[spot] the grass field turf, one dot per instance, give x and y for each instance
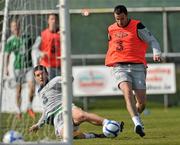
(162, 127)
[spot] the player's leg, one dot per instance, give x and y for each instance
(82, 135)
(31, 96)
(126, 88)
(139, 87)
(31, 86)
(140, 95)
(58, 126)
(123, 79)
(18, 78)
(123, 76)
(77, 134)
(131, 107)
(124, 82)
(80, 116)
(18, 100)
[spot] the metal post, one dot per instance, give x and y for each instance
(166, 101)
(85, 99)
(3, 40)
(165, 34)
(85, 103)
(66, 70)
(165, 45)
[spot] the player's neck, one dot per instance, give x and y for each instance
(16, 34)
(52, 29)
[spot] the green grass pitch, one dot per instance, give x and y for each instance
(162, 127)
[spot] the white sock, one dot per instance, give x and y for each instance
(89, 135)
(105, 121)
(140, 119)
(136, 120)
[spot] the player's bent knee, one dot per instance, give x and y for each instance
(82, 117)
(79, 117)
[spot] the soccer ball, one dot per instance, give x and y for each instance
(12, 137)
(111, 129)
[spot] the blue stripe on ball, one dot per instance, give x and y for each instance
(12, 138)
(113, 132)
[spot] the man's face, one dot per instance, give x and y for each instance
(52, 22)
(14, 28)
(121, 19)
(41, 77)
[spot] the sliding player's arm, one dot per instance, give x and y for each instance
(41, 122)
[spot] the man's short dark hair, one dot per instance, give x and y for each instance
(40, 67)
(120, 9)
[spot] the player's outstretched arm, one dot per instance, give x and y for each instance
(34, 128)
(41, 122)
(146, 35)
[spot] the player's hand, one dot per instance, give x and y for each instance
(34, 128)
(157, 58)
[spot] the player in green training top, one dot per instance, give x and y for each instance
(50, 94)
(20, 45)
